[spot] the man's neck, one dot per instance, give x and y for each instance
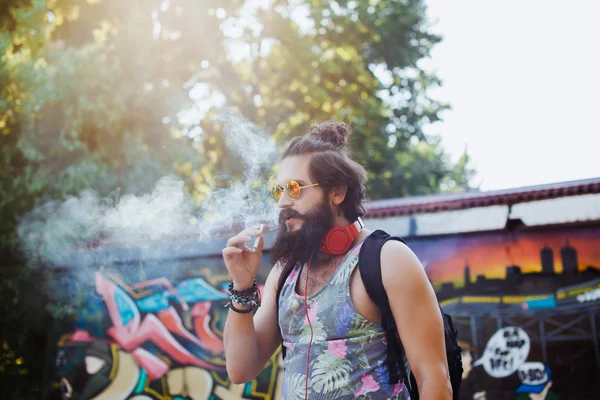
(341, 220)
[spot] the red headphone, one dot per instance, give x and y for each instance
(339, 239)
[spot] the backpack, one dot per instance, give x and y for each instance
(369, 264)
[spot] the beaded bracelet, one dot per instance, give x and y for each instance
(250, 296)
(240, 310)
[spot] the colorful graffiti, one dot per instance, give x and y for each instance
(532, 296)
(153, 340)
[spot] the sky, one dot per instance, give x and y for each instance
(523, 80)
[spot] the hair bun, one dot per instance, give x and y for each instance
(336, 133)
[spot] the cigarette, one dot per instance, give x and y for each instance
(258, 238)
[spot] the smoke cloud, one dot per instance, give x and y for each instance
(247, 202)
(52, 232)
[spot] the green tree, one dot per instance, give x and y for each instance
(287, 65)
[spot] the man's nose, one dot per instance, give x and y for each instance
(284, 201)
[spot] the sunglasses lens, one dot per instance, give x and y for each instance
(277, 192)
(293, 190)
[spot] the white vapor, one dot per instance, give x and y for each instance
(52, 232)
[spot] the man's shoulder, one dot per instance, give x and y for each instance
(399, 265)
(395, 253)
(390, 245)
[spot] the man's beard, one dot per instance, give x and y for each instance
(293, 247)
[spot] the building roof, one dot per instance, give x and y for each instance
(464, 200)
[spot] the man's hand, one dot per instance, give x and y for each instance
(542, 395)
(241, 261)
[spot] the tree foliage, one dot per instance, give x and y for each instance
(109, 94)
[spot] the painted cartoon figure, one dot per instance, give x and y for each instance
(471, 387)
(539, 389)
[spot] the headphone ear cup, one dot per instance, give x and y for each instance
(337, 241)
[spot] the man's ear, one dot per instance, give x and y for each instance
(337, 194)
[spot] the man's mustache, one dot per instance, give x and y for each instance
(285, 214)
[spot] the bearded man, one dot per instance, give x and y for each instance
(314, 301)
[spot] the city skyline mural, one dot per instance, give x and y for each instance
(489, 254)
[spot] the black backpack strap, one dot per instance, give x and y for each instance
(453, 355)
(369, 263)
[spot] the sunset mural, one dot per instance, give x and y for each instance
(489, 254)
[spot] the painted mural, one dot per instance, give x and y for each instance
(154, 340)
(526, 304)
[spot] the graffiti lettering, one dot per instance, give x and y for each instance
(154, 340)
(505, 352)
(130, 330)
(501, 363)
(515, 343)
(532, 373)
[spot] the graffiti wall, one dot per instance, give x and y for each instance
(527, 306)
(154, 339)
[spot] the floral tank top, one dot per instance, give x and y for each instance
(348, 354)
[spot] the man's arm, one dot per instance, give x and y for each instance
(418, 319)
(251, 341)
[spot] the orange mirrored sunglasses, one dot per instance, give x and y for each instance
(292, 188)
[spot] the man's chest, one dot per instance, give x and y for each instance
(312, 280)
(319, 277)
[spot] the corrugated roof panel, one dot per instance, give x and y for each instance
(558, 211)
(459, 201)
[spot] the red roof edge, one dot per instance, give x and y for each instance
(464, 200)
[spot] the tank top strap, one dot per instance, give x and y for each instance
(350, 262)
